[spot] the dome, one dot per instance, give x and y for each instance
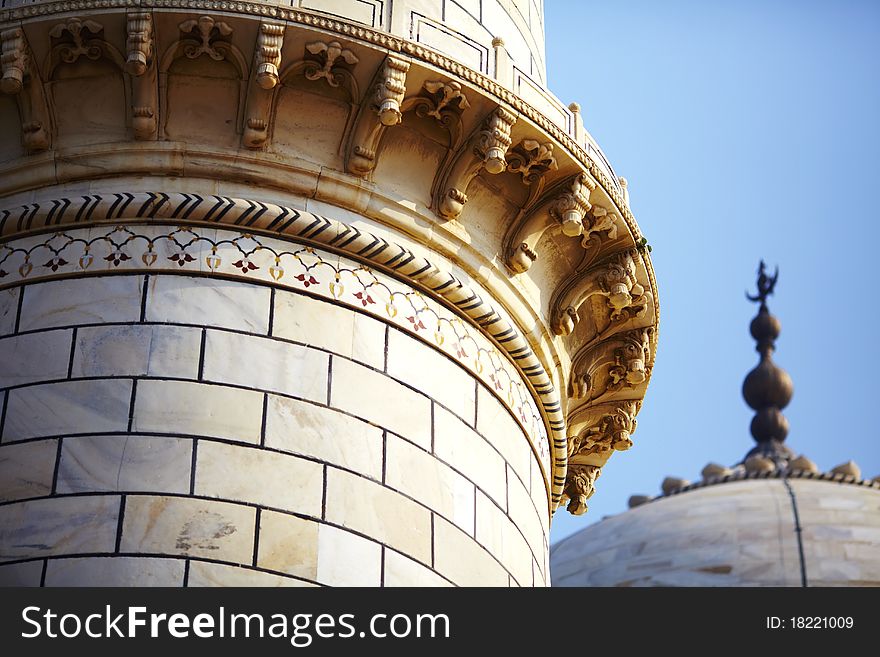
(742, 531)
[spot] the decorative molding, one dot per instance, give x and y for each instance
(532, 160)
(327, 65)
(565, 205)
(486, 149)
(549, 434)
(622, 363)
(20, 79)
(580, 484)
(379, 111)
(615, 279)
(261, 87)
(141, 65)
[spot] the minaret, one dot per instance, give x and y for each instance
(767, 388)
(303, 292)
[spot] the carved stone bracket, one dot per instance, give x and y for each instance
(141, 65)
(486, 149)
(531, 159)
(580, 484)
(381, 109)
(595, 431)
(620, 364)
(565, 205)
(615, 279)
(267, 62)
(20, 79)
(331, 59)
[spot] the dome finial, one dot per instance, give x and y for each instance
(767, 388)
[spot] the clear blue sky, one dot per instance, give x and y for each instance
(747, 130)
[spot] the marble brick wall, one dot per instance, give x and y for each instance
(186, 430)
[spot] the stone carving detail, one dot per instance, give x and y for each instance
(600, 225)
(381, 110)
(208, 34)
(616, 280)
(531, 159)
(580, 484)
(328, 55)
(611, 431)
(487, 149)
(79, 38)
(20, 80)
(564, 206)
(622, 362)
(268, 55)
(267, 61)
(440, 101)
(140, 64)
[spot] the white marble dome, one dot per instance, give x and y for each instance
(739, 532)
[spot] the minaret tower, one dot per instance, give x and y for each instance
(307, 292)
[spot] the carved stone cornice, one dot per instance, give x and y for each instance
(380, 111)
(616, 280)
(485, 150)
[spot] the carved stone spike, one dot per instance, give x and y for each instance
(672, 484)
(571, 206)
(580, 484)
(615, 280)
(328, 54)
(804, 464)
(206, 31)
(382, 110)
(268, 55)
(139, 44)
(485, 150)
(78, 36)
(758, 464)
(715, 471)
(531, 159)
(13, 59)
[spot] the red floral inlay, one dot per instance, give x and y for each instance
(116, 257)
(364, 298)
(245, 265)
(416, 322)
(181, 258)
(55, 263)
(311, 280)
(459, 350)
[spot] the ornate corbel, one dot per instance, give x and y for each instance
(595, 431)
(531, 160)
(615, 279)
(267, 62)
(20, 80)
(566, 205)
(486, 149)
(330, 61)
(620, 364)
(141, 66)
(381, 109)
(580, 484)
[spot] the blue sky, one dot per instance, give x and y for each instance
(746, 130)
